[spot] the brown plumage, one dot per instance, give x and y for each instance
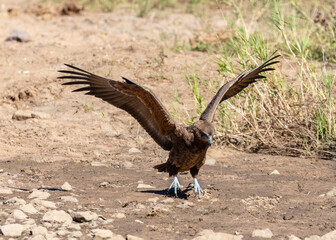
(187, 144)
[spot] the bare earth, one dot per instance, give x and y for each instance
(93, 146)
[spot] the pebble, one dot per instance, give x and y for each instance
(153, 200)
(19, 36)
(29, 208)
(85, 217)
(292, 237)
(59, 216)
(5, 191)
(103, 233)
(332, 192)
(131, 237)
(66, 186)
(313, 237)
(119, 215)
(127, 164)
(98, 164)
(139, 221)
(262, 233)
(134, 150)
(168, 200)
(275, 172)
(21, 115)
(39, 194)
(74, 226)
(76, 234)
(69, 199)
(15, 201)
(12, 230)
(44, 203)
(208, 234)
(39, 231)
(19, 215)
(185, 204)
(141, 185)
(210, 161)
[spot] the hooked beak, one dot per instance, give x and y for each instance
(208, 139)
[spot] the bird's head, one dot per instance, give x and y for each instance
(205, 131)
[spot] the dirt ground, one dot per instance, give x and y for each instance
(104, 154)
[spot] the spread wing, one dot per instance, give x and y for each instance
(138, 101)
(236, 85)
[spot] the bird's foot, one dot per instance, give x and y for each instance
(175, 184)
(197, 188)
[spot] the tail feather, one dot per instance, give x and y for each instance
(161, 167)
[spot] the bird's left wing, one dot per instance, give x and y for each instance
(236, 85)
(137, 100)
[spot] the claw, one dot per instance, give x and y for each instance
(197, 188)
(175, 184)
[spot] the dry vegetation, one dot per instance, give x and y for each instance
(293, 112)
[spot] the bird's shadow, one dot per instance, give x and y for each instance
(180, 194)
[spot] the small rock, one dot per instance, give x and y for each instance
(98, 164)
(275, 172)
(62, 232)
(44, 203)
(19, 36)
(292, 237)
(210, 161)
(66, 186)
(76, 234)
(329, 236)
(5, 191)
(168, 200)
(263, 233)
(208, 234)
(39, 194)
(127, 164)
(103, 233)
(313, 237)
(185, 204)
(39, 231)
(332, 192)
(69, 199)
(87, 216)
(15, 201)
(11, 230)
(29, 208)
(153, 200)
(21, 115)
(119, 215)
(159, 209)
(139, 221)
(131, 237)
(74, 226)
(18, 214)
(134, 150)
(58, 216)
(141, 185)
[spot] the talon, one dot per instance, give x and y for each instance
(197, 188)
(175, 184)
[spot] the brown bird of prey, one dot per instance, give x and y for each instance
(187, 144)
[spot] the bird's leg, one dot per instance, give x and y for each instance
(197, 188)
(175, 184)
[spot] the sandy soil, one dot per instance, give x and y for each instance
(87, 142)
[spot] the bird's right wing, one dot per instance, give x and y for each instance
(236, 85)
(137, 100)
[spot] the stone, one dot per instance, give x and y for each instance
(58, 216)
(98, 164)
(313, 237)
(119, 215)
(44, 203)
(292, 237)
(103, 233)
(19, 215)
(66, 186)
(127, 164)
(74, 226)
(19, 36)
(11, 230)
(275, 172)
(39, 231)
(62, 232)
(134, 151)
(332, 192)
(262, 233)
(153, 200)
(210, 161)
(208, 234)
(185, 204)
(29, 208)
(5, 190)
(21, 115)
(85, 217)
(39, 194)
(139, 221)
(168, 200)
(38, 237)
(131, 237)
(329, 236)
(141, 185)
(15, 201)
(69, 199)
(76, 234)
